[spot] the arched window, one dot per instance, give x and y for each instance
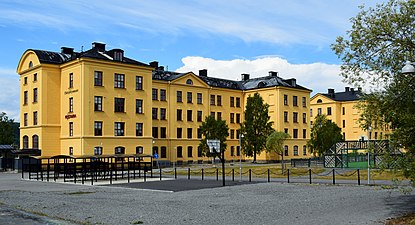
(189, 81)
(119, 150)
(286, 150)
(261, 84)
(25, 142)
(98, 150)
(319, 101)
(30, 64)
(35, 141)
(295, 150)
(139, 150)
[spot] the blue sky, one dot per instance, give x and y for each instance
(226, 37)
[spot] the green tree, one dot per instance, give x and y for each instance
(324, 134)
(256, 127)
(215, 129)
(275, 143)
(6, 129)
(380, 41)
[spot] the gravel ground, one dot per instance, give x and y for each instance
(259, 203)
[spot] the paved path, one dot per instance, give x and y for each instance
(254, 203)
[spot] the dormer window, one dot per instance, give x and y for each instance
(189, 81)
(30, 64)
(261, 84)
(118, 55)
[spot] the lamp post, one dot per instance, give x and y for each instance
(240, 157)
(369, 129)
(408, 68)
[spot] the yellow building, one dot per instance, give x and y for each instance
(101, 102)
(340, 108)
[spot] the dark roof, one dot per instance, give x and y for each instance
(7, 147)
(261, 82)
(60, 58)
(351, 95)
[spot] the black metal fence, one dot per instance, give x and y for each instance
(307, 162)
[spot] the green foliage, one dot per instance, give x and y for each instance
(6, 130)
(256, 126)
(216, 129)
(380, 41)
(275, 142)
(323, 135)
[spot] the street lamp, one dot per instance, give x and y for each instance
(408, 68)
(240, 157)
(369, 129)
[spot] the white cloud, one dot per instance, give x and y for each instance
(9, 94)
(316, 76)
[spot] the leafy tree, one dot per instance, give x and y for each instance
(6, 129)
(216, 129)
(275, 142)
(256, 126)
(381, 39)
(324, 134)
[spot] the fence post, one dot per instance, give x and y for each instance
(202, 173)
(233, 174)
(217, 174)
(334, 177)
(188, 173)
(175, 173)
(309, 174)
(358, 177)
(268, 175)
(160, 173)
(249, 175)
(288, 175)
(309, 162)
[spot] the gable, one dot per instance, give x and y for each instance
(319, 99)
(190, 79)
(28, 61)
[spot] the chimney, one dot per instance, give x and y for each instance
(273, 74)
(359, 89)
(245, 76)
(66, 50)
(203, 73)
(154, 64)
(347, 89)
(98, 46)
(331, 92)
(352, 89)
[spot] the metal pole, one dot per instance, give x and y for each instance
(334, 178)
(309, 174)
(368, 167)
(223, 167)
(358, 177)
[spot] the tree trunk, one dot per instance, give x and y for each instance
(254, 157)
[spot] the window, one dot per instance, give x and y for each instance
(219, 115)
(70, 129)
(232, 101)
(304, 150)
(35, 118)
(295, 117)
(155, 132)
(154, 113)
(30, 64)
(238, 102)
(119, 80)
(35, 77)
(71, 104)
(189, 115)
(232, 133)
(295, 103)
(163, 95)
(98, 128)
(238, 134)
(179, 115)
(232, 117)
(25, 119)
(34, 94)
(179, 132)
(71, 80)
(189, 133)
(189, 81)
(162, 113)
(285, 150)
(97, 78)
(139, 129)
(179, 96)
(138, 83)
(329, 111)
(304, 133)
(286, 130)
(311, 112)
(344, 123)
(212, 99)
(35, 142)
(219, 100)
(179, 151)
(238, 118)
(304, 118)
(295, 150)
(304, 100)
(319, 101)
(25, 142)
(343, 111)
(189, 151)
(285, 99)
(189, 97)
(199, 133)
(199, 152)
(163, 132)
(319, 111)
(139, 150)
(238, 150)
(70, 150)
(119, 105)
(163, 152)
(154, 93)
(295, 133)
(212, 114)
(232, 150)
(97, 103)
(285, 116)
(98, 150)
(119, 128)
(25, 80)
(139, 106)
(199, 116)
(118, 56)
(199, 98)
(119, 150)
(25, 98)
